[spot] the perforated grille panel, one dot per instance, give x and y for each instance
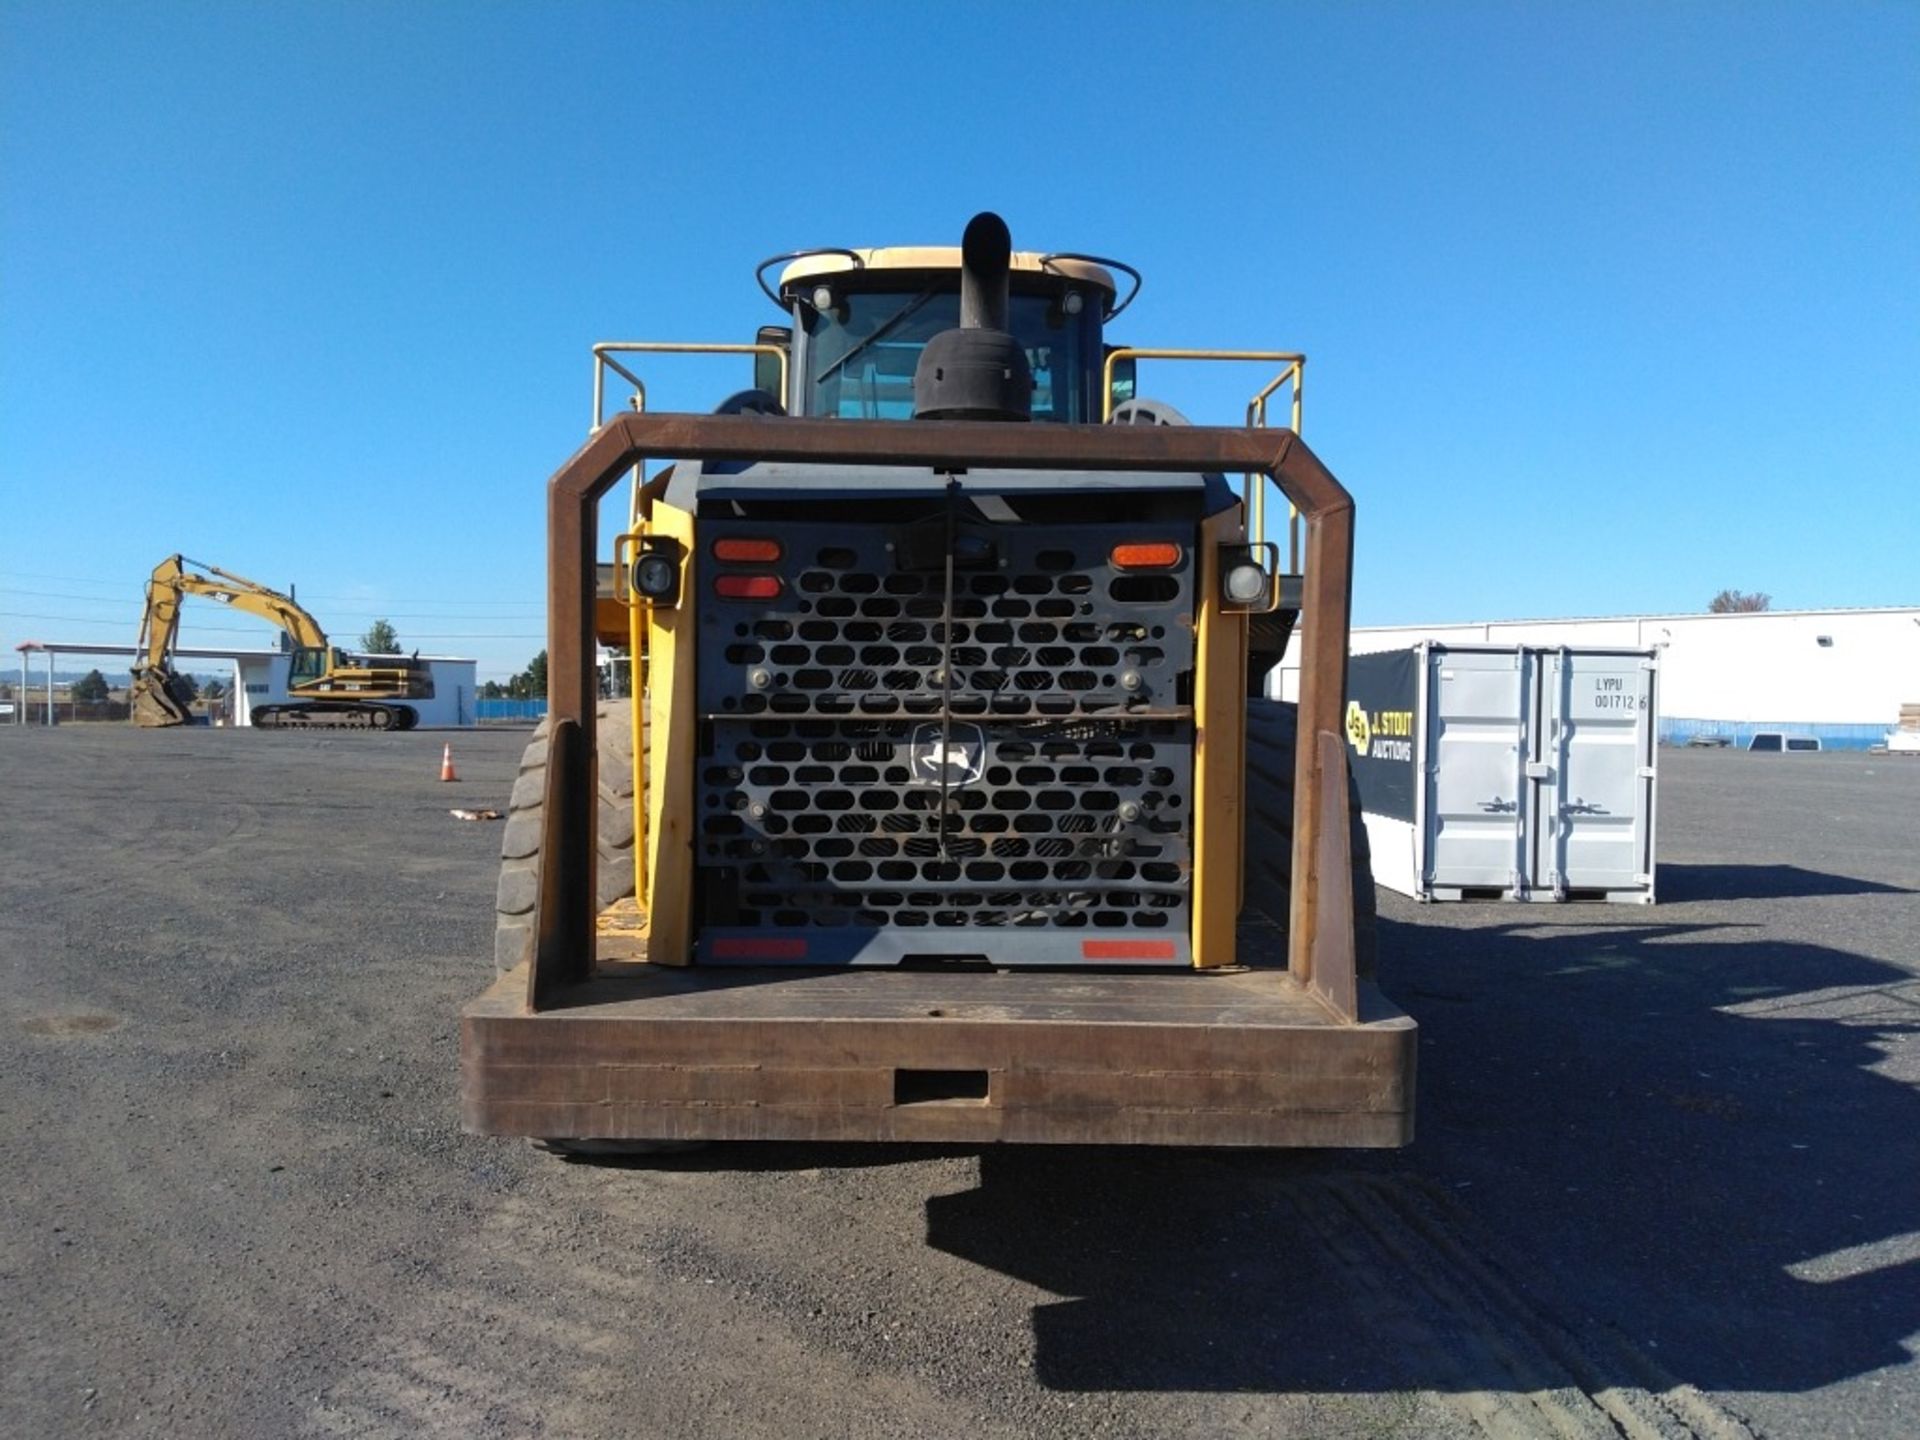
(1043, 626)
(1056, 796)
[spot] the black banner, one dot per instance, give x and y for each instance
(1383, 741)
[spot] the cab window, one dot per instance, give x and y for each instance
(861, 355)
(308, 665)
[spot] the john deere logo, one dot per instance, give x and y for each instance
(1359, 729)
(958, 759)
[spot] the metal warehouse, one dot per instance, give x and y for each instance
(1841, 675)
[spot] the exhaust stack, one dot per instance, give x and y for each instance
(979, 371)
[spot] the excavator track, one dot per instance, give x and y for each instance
(335, 715)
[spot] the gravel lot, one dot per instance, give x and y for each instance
(1667, 1180)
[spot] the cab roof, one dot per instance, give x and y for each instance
(817, 264)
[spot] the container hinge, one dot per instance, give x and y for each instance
(1646, 772)
(1539, 770)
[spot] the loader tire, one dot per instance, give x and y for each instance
(1272, 726)
(520, 846)
(520, 880)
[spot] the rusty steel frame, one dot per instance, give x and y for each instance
(1320, 933)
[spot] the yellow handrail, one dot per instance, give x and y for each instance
(603, 361)
(1253, 494)
(1257, 417)
(626, 545)
(625, 548)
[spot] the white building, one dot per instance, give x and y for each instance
(261, 679)
(1839, 674)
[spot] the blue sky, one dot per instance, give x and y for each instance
(1607, 306)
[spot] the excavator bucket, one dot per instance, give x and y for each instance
(158, 698)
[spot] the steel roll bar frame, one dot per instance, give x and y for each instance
(1320, 952)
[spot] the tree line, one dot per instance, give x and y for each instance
(529, 684)
(93, 688)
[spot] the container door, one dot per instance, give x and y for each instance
(1477, 738)
(1596, 832)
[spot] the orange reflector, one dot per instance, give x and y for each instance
(746, 587)
(757, 552)
(1126, 950)
(1145, 557)
(747, 948)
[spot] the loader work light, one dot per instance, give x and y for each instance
(1246, 584)
(656, 570)
(1247, 577)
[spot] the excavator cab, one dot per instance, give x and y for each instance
(308, 665)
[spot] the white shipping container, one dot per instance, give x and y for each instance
(1515, 772)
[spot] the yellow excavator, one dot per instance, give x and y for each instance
(328, 688)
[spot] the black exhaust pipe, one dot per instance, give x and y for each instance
(986, 259)
(979, 371)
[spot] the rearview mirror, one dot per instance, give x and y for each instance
(766, 368)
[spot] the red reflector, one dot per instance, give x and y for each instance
(1145, 557)
(746, 947)
(1126, 950)
(762, 552)
(746, 587)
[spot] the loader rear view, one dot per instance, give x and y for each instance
(942, 811)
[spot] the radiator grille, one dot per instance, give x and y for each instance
(1068, 755)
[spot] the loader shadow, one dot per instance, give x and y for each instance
(1761, 882)
(769, 1157)
(1595, 1125)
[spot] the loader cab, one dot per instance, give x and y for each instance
(861, 319)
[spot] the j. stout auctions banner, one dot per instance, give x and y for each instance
(1381, 739)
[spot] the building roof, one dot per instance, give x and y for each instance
(186, 652)
(1657, 615)
(94, 647)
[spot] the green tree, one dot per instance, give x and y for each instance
(91, 688)
(213, 689)
(1739, 602)
(530, 683)
(492, 690)
(380, 639)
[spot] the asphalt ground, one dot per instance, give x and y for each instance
(1667, 1180)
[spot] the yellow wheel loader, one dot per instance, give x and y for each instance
(328, 688)
(947, 807)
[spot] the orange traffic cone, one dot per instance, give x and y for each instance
(446, 762)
